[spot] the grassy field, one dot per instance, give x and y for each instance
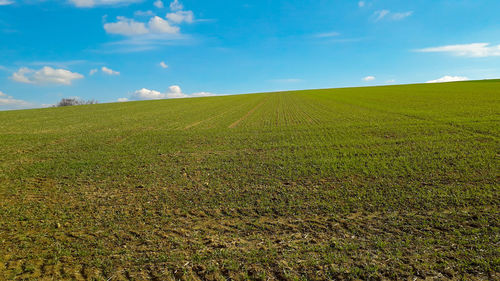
(397, 182)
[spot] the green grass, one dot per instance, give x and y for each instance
(397, 182)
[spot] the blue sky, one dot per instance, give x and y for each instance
(119, 50)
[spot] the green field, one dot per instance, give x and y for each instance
(396, 182)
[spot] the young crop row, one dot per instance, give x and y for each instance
(371, 183)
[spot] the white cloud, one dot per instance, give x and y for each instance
(109, 71)
(159, 25)
(476, 50)
(386, 14)
(125, 26)
(361, 4)
(181, 16)
(8, 102)
(327, 34)
(105, 70)
(93, 3)
(123, 100)
(369, 78)
(448, 78)
(130, 27)
(146, 94)
(390, 81)
(19, 76)
(163, 64)
(46, 75)
(6, 2)
(173, 92)
(148, 35)
(159, 4)
(178, 15)
(176, 6)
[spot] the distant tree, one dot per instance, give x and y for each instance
(74, 101)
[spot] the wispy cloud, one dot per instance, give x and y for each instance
(159, 4)
(147, 13)
(477, 50)
(345, 40)
(6, 2)
(60, 64)
(327, 34)
(287, 80)
(9, 102)
(388, 15)
(334, 37)
(94, 3)
(369, 78)
(380, 14)
(176, 6)
(400, 16)
(145, 42)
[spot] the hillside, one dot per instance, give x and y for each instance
(390, 182)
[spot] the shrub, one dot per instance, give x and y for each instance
(74, 101)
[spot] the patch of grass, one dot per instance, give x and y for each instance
(374, 183)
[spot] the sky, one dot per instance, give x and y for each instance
(124, 50)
